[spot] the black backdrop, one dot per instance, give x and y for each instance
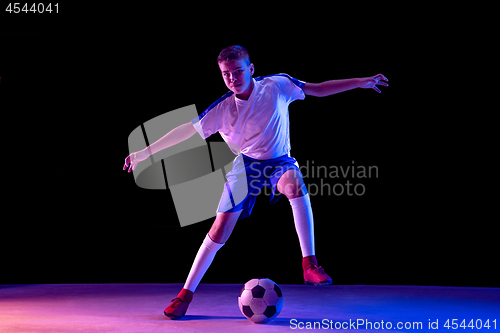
(75, 85)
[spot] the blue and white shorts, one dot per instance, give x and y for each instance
(246, 179)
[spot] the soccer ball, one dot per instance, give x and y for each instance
(260, 300)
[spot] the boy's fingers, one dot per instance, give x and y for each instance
(377, 90)
(127, 161)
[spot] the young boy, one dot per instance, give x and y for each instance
(253, 119)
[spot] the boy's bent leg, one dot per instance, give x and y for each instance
(292, 185)
(221, 229)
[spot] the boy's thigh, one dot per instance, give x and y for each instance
(227, 217)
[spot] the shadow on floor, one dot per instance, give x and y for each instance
(198, 317)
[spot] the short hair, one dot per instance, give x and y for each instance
(233, 53)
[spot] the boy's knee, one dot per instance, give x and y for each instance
(293, 188)
(218, 231)
(292, 191)
(223, 226)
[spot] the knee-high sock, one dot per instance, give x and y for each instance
(304, 223)
(203, 259)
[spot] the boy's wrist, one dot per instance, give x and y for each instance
(145, 153)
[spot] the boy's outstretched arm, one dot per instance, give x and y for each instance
(335, 86)
(178, 134)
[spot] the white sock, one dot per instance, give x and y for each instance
(304, 223)
(203, 259)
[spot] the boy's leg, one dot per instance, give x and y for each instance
(219, 233)
(217, 236)
(293, 187)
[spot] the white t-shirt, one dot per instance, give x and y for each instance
(259, 126)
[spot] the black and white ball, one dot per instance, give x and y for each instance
(260, 300)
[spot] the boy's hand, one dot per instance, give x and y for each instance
(373, 81)
(132, 160)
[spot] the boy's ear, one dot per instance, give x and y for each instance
(252, 69)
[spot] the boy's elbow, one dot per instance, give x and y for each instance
(190, 128)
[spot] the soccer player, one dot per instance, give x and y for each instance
(253, 119)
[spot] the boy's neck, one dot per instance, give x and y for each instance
(246, 94)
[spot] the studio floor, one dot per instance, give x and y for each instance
(139, 308)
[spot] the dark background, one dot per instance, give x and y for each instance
(74, 85)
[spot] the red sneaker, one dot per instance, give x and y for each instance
(314, 274)
(179, 305)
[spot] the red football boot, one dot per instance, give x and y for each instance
(314, 274)
(179, 304)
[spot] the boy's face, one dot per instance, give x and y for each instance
(237, 76)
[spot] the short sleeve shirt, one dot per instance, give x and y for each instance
(257, 127)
